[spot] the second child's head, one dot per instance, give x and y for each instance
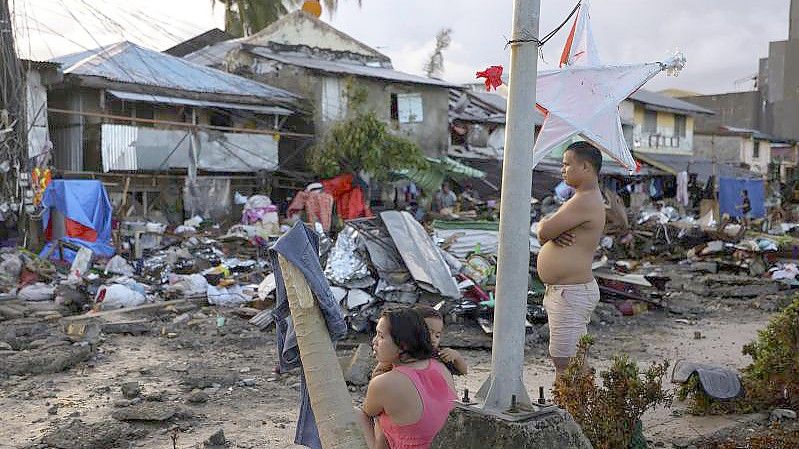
(434, 321)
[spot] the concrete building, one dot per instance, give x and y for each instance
(119, 108)
(733, 145)
(784, 159)
(773, 107)
(661, 124)
(307, 56)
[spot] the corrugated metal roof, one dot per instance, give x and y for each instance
(702, 167)
(348, 69)
(129, 63)
(753, 132)
(656, 99)
(132, 96)
(466, 106)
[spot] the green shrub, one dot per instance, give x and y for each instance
(610, 415)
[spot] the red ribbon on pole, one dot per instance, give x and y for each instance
(493, 76)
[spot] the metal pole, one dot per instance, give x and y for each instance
(507, 356)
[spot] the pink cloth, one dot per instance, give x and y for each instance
(318, 207)
(437, 401)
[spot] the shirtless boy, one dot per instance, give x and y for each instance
(569, 238)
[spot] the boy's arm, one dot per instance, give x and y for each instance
(453, 357)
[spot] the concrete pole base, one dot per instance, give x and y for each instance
(470, 428)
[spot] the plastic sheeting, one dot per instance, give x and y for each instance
(86, 203)
(468, 236)
(208, 197)
(730, 196)
(420, 255)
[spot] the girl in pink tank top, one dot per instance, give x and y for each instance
(437, 400)
(411, 402)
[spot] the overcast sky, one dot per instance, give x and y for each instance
(722, 39)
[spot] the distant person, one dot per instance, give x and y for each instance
(745, 207)
(470, 198)
(569, 240)
(406, 407)
(445, 198)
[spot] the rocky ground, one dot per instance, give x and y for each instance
(172, 377)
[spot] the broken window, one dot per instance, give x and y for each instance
(407, 108)
(679, 125)
(221, 118)
(650, 122)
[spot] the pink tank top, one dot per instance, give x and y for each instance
(437, 401)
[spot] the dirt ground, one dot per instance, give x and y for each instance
(197, 378)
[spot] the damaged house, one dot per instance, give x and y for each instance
(148, 120)
(310, 58)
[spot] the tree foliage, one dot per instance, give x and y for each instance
(434, 67)
(363, 142)
(773, 377)
(247, 17)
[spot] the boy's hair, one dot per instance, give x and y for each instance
(409, 332)
(426, 311)
(586, 152)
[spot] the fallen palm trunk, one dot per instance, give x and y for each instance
(330, 398)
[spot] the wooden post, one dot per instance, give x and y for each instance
(330, 399)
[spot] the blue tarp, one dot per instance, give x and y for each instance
(730, 197)
(83, 201)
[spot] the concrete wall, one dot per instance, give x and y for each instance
(432, 134)
(757, 164)
(301, 29)
(36, 117)
(664, 140)
(734, 149)
(786, 111)
(739, 109)
(718, 148)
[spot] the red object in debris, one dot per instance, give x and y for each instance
(73, 229)
(493, 76)
(27, 277)
(350, 199)
(626, 308)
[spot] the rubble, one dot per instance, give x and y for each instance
(80, 435)
(146, 411)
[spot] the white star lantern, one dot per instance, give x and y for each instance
(584, 99)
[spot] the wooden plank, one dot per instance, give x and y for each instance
(141, 308)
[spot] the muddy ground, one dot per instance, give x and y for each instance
(171, 378)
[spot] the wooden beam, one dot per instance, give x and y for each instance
(271, 132)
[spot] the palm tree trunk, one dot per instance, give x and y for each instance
(330, 398)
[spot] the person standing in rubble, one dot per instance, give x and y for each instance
(745, 207)
(569, 239)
